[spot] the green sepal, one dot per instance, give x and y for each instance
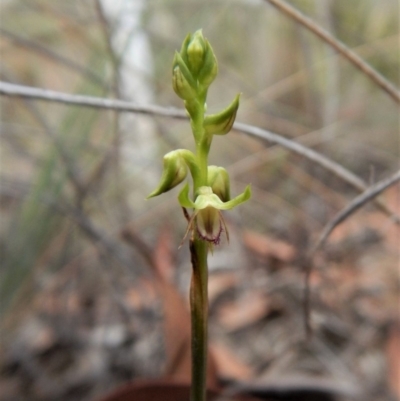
(184, 47)
(209, 70)
(206, 198)
(174, 172)
(221, 123)
(195, 51)
(181, 85)
(183, 82)
(218, 180)
(184, 199)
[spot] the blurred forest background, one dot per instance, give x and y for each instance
(80, 245)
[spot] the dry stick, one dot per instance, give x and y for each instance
(120, 105)
(357, 61)
(72, 171)
(352, 207)
(314, 156)
(86, 101)
(81, 187)
(93, 232)
(81, 219)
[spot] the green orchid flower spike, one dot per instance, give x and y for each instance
(194, 68)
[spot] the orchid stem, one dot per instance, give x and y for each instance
(199, 317)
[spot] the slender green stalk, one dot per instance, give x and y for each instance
(194, 68)
(199, 282)
(199, 316)
(201, 152)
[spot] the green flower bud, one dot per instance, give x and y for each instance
(184, 47)
(181, 85)
(174, 172)
(182, 80)
(198, 55)
(221, 123)
(195, 52)
(209, 69)
(218, 180)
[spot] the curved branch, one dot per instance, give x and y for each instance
(316, 157)
(353, 206)
(120, 105)
(86, 101)
(340, 47)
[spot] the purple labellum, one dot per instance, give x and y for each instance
(209, 224)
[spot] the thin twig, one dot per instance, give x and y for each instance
(316, 157)
(353, 206)
(86, 101)
(120, 105)
(346, 212)
(346, 52)
(65, 156)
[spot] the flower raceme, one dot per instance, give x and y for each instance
(194, 69)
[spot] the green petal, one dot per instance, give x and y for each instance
(203, 201)
(243, 197)
(209, 69)
(174, 171)
(195, 52)
(218, 180)
(185, 44)
(221, 123)
(210, 199)
(206, 199)
(178, 61)
(184, 199)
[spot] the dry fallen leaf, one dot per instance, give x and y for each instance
(268, 247)
(243, 312)
(228, 365)
(163, 253)
(393, 358)
(220, 283)
(142, 295)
